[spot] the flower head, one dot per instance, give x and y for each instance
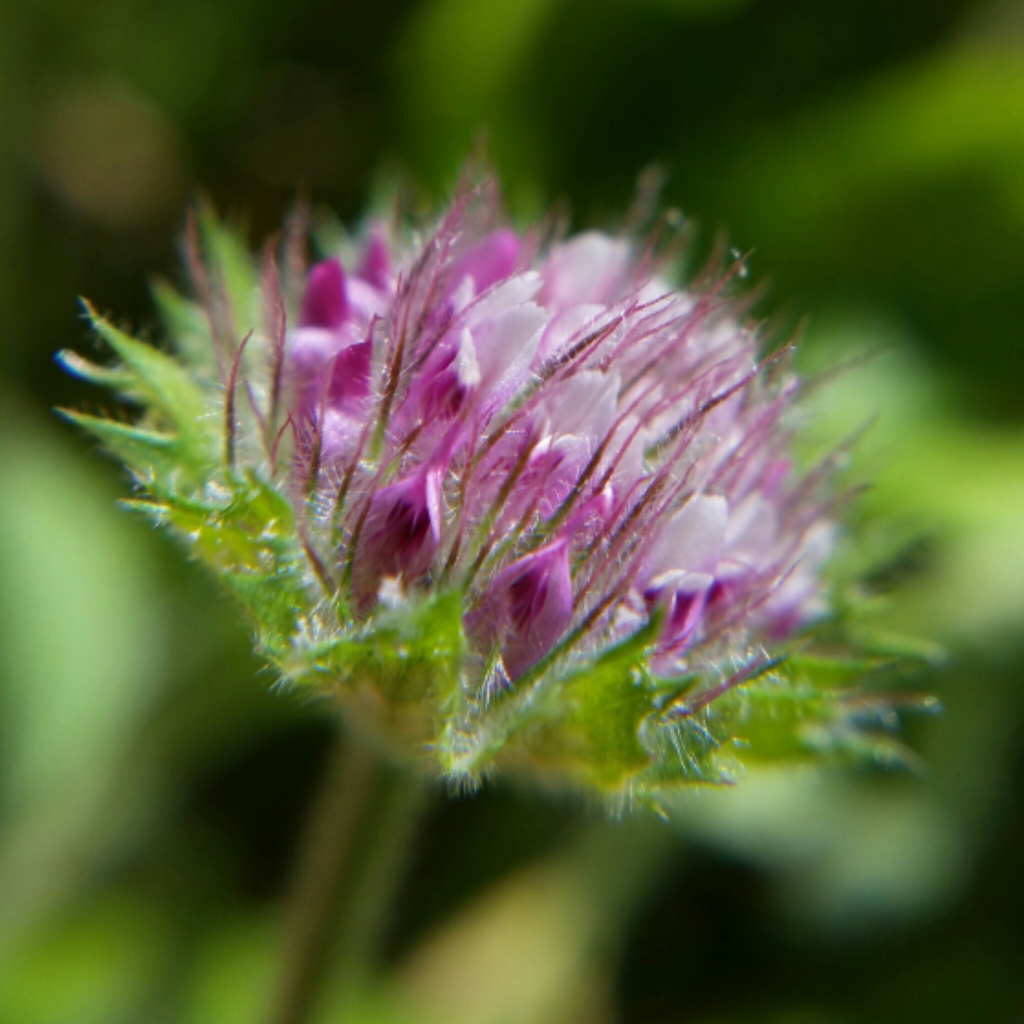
(513, 505)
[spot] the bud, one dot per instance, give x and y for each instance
(516, 508)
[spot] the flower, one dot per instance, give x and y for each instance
(573, 441)
(514, 504)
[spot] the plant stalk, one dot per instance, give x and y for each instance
(349, 864)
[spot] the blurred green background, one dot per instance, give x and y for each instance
(870, 155)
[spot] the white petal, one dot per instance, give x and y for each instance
(587, 268)
(466, 366)
(566, 324)
(584, 405)
(752, 529)
(630, 465)
(365, 300)
(694, 538)
(683, 581)
(462, 295)
(505, 345)
(512, 292)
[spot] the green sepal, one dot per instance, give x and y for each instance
(249, 531)
(118, 378)
(588, 721)
(147, 453)
(774, 719)
(807, 707)
(685, 752)
(856, 746)
(188, 326)
(275, 602)
(409, 654)
(169, 389)
(249, 538)
(897, 646)
(234, 273)
(828, 673)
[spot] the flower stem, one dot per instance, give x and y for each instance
(378, 868)
(348, 866)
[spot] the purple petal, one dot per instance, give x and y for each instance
(339, 435)
(449, 375)
(528, 607)
(350, 377)
(310, 349)
(324, 304)
(684, 611)
(401, 534)
(328, 367)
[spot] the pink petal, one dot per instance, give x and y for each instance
(375, 265)
(493, 258)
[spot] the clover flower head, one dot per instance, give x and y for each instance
(514, 504)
